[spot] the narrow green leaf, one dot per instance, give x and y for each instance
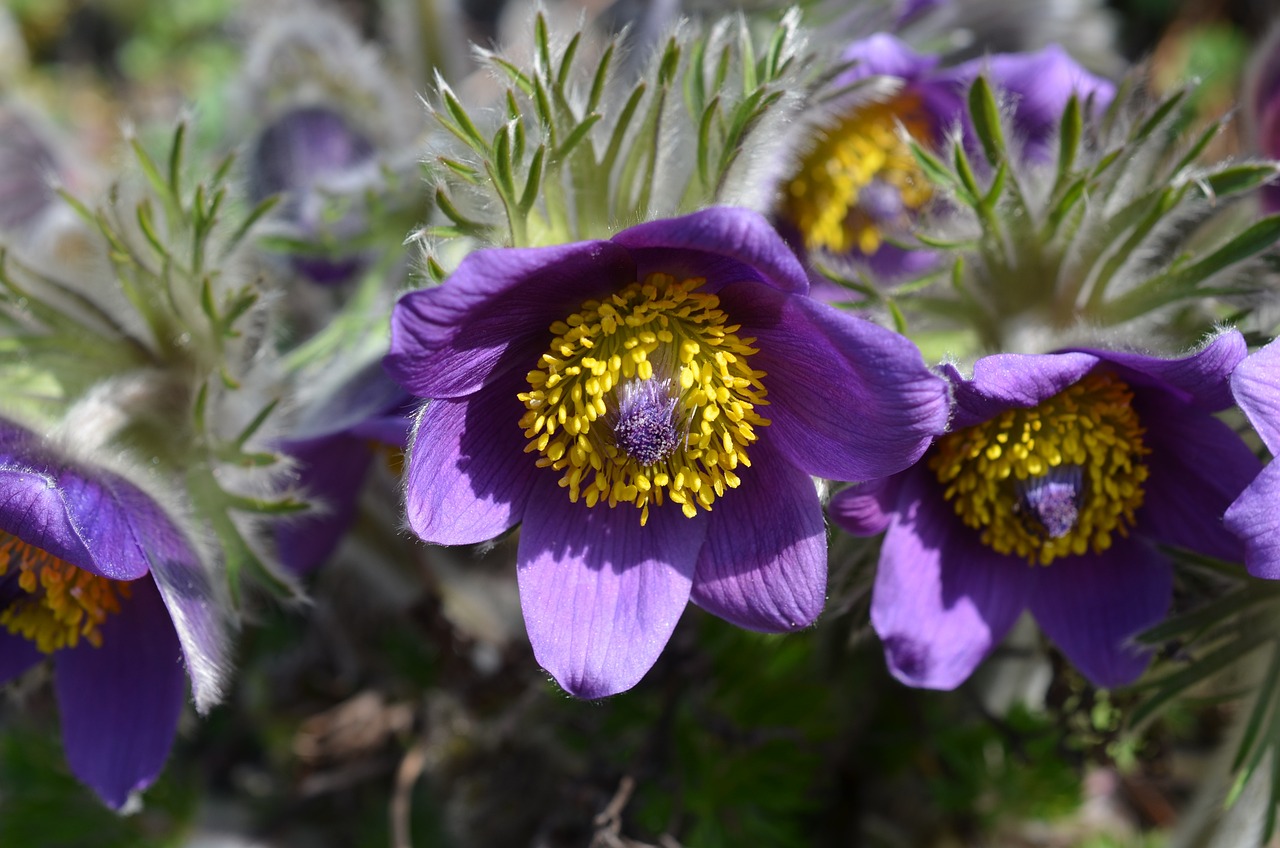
(516, 75)
(1189, 624)
(1266, 691)
(1183, 281)
(600, 78)
(939, 173)
(149, 169)
(256, 424)
(533, 181)
(1170, 686)
(566, 61)
(175, 159)
(746, 49)
(1193, 153)
(704, 138)
(1235, 179)
(579, 133)
(619, 133)
(148, 229)
(985, 114)
(254, 216)
(542, 43)
(1071, 128)
(462, 125)
(445, 205)
(1158, 117)
(435, 271)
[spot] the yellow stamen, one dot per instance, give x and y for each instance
(822, 200)
(63, 603)
(1092, 426)
(677, 344)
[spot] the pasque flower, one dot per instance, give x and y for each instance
(96, 573)
(651, 408)
(1255, 516)
(1059, 477)
(858, 189)
(313, 156)
(333, 446)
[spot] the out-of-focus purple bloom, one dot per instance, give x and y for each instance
(1262, 109)
(609, 396)
(96, 573)
(1060, 475)
(315, 158)
(1255, 516)
(858, 189)
(28, 169)
(332, 448)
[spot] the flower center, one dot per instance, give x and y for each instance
(60, 603)
(1054, 480)
(645, 396)
(861, 184)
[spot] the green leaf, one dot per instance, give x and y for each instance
(985, 114)
(1237, 178)
(1071, 129)
(579, 133)
(533, 181)
(1169, 686)
(1179, 282)
(939, 174)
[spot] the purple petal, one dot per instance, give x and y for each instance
(331, 473)
(28, 172)
(1200, 379)
(32, 509)
(1091, 605)
(1255, 518)
(942, 600)
(764, 564)
(884, 55)
(849, 400)
(468, 475)
(120, 703)
(495, 312)
(723, 244)
(865, 509)
(17, 654)
(1256, 386)
(1008, 380)
(1262, 94)
(195, 609)
(1198, 466)
(600, 593)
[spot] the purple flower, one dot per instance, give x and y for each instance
(28, 168)
(1060, 475)
(312, 154)
(1262, 109)
(858, 189)
(94, 572)
(1255, 516)
(332, 448)
(612, 397)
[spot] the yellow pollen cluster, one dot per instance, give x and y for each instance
(822, 199)
(658, 329)
(63, 603)
(1091, 425)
